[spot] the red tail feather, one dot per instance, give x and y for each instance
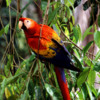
(62, 83)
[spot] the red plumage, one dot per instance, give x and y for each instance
(45, 42)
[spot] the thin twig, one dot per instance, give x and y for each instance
(42, 25)
(40, 38)
(38, 6)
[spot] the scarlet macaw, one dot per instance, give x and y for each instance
(46, 43)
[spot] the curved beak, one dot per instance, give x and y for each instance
(20, 24)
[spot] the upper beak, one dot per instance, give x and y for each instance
(20, 24)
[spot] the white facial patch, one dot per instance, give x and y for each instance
(27, 24)
(20, 24)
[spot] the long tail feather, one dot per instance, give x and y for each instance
(62, 83)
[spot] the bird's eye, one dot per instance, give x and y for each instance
(27, 21)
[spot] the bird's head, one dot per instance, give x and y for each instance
(28, 25)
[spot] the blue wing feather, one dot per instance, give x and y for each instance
(62, 58)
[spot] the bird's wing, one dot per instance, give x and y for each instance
(63, 57)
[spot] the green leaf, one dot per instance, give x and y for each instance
(85, 92)
(25, 95)
(87, 32)
(72, 95)
(91, 77)
(27, 63)
(94, 91)
(76, 51)
(99, 20)
(79, 65)
(86, 48)
(77, 33)
(68, 3)
(97, 67)
(89, 92)
(35, 70)
(98, 75)
(69, 12)
(72, 76)
(71, 26)
(88, 62)
(2, 77)
(43, 6)
(97, 55)
(7, 81)
(97, 38)
(66, 32)
(6, 28)
(14, 78)
(82, 77)
(38, 92)
(51, 91)
(80, 95)
(52, 15)
(2, 31)
(9, 65)
(31, 88)
(73, 20)
(54, 75)
(8, 2)
(13, 97)
(2, 88)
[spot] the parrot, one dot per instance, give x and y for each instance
(49, 47)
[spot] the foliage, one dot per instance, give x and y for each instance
(25, 77)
